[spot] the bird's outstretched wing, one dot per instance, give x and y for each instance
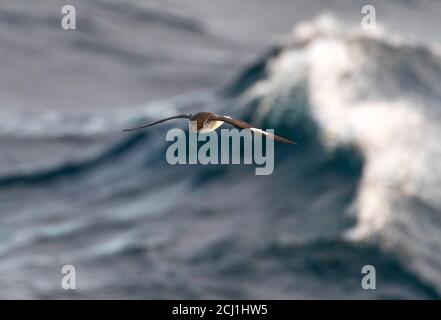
(179, 116)
(245, 125)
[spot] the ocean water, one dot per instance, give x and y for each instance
(362, 187)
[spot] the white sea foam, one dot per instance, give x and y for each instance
(381, 94)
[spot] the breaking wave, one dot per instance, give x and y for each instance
(380, 96)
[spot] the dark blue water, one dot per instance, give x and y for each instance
(136, 227)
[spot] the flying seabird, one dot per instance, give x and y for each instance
(208, 122)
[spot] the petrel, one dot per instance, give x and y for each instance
(204, 122)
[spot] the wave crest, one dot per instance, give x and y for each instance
(381, 95)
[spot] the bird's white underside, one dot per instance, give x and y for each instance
(213, 125)
(210, 127)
